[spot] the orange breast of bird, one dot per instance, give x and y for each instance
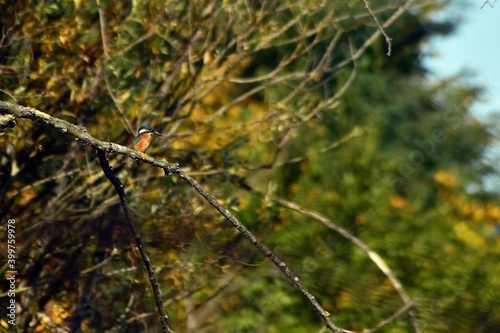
(143, 143)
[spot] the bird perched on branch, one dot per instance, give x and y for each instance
(144, 137)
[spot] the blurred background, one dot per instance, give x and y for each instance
(294, 117)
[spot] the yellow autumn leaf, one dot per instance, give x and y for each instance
(467, 234)
(123, 97)
(397, 202)
(445, 178)
(493, 211)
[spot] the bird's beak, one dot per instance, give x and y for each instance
(157, 133)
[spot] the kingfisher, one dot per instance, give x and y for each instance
(144, 137)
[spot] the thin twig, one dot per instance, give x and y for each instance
(393, 317)
(105, 48)
(387, 39)
(375, 35)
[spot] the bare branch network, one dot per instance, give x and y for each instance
(85, 138)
